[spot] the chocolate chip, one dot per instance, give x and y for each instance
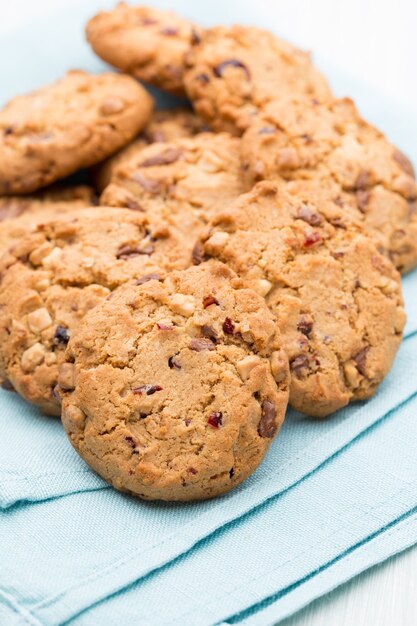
(170, 155)
(198, 254)
(125, 252)
(362, 199)
(219, 69)
(152, 186)
(308, 215)
(360, 360)
(209, 300)
(169, 32)
(362, 180)
(163, 326)
(148, 389)
(215, 419)
(203, 78)
(232, 472)
(267, 425)
(8, 131)
(311, 239)
(61, 335)
(195, 37)
(305, 325)
(298, 364)
(267, 130)
(173, 364)
(209, 332)
(146, 278)
(201, 344)
(228, 326)
(404, 162)
(130, 441)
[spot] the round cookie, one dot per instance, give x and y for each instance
(73, 123)
(235, 71)
(177, 387)
(20, 215)
(336, 298)
(52, 277)
(300, 139)
(164, 126)
(145, 42)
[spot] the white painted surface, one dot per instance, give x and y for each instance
(375, 42)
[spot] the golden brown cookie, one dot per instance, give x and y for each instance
(336, 298)
(145, 42)
(20, 215)
(300, 139)
(52, 277)
(235, 71)
(190, 179)
(164, 126)
(73, 123)
(178, 387)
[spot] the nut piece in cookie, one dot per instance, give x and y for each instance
(164, 126)
(162, 400)
(336, 298)
(233, 72)
(53, 276)
(73, 123)
(145, 42)
(329, 143)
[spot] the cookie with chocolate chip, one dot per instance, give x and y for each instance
(53, 276)
(190, 179)
(145, 42)
(301, 139)
(164, 126)
(73, 123)
(20, 215)
(233, 72)
(174, 390)
(336, 298)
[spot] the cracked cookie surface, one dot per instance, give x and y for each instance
(235, 71)
(73, 123)
(178, 386)
(300, 139)
(164, 126)
(190, 179)
(336, 298)
(145, 42)
(52, 277)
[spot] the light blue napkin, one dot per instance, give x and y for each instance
(331, 499)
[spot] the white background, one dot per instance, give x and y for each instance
(374, 43)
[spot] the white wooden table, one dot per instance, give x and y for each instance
(375, 41)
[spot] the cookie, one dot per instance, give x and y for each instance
(176, 388)
(190, 179)
(336, 298)
(20, 215)
(145, 42)
(235, 71)
(73, 123)
(52, 277)
(164, 126)
(331, 143)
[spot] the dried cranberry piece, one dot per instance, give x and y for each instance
(308, 215)
(170, 155)
(198, 345)
(267, 425)
(298, 364)
(146, 278)
(412, 207)
(209, 300)
(148, 389)
(195, 37)
(305, 326)
(228, 326)
(198, 254)
(173, 364)
(209, 332)
(133, 205)
(203, 78)
(219, 69)
(152, 186)
(149, 21)
(61, 335)
(124, 252)
(8, 131)
(7, 385)
(215, 419)
(267, 130)
(163, 326)
(360, 360)
(362, 199)
(362, 180)
(404, 162)
(192, 470)
(232, 473)
(169, 32)
(311, 239)
(130, 441)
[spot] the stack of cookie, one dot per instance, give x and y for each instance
(244, 253)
